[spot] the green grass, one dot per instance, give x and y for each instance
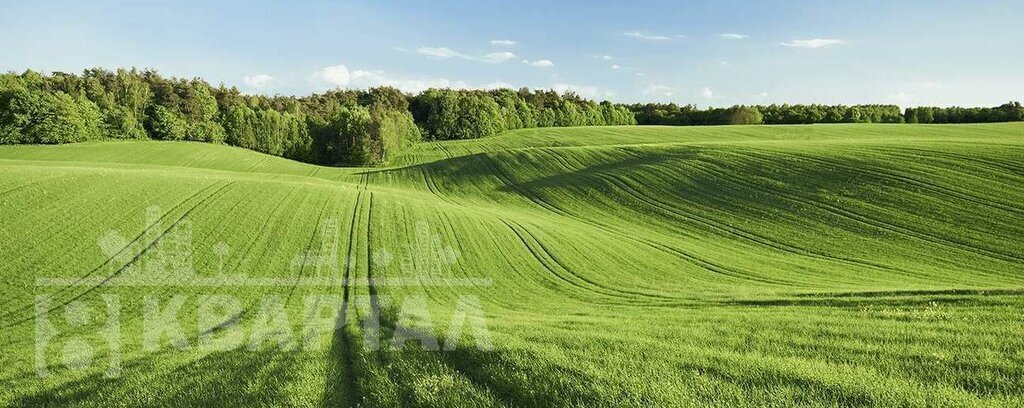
(640, 266)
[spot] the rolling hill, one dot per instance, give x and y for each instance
(752, 265)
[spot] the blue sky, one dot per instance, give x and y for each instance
(703, 52)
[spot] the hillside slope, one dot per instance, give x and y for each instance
(843, 264)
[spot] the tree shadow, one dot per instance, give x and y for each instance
(238, 377)
(493, 375)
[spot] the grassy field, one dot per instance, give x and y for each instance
(639, 266)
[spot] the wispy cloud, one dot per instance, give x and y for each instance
(733, 36)
(649, 37)
(615, 66)
(902, 97)
(658, 90)
(444, 53)
(544, 63)
(707, 93)
(605, 57)
(504, 43)
(498, 57)
(258, 81)
(439, 52)
(813, 43)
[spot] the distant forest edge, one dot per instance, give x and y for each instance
(362, 127)
(688, 115)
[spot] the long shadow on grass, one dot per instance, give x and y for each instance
(491, 372)
(341, 388)
(233, 378)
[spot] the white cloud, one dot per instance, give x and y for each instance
(444, 53)
(439, 52)
(258, 81)
(540, 63)
(658, 90)
(761, 95)
(812, 43)
(642, 36)
(498, 57)
(586, 91)
(340, 76)
(336, 75)
(707, 93)
(605, 57)
(504, 43)
(902, 97)
(733, 36)
(498, 85)
(615, 66)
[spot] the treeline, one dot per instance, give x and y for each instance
(341, 127)
(687, 115)
(1008, 112)
(468, 114)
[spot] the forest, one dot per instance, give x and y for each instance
(363, 127)
(338, 127)
(687, 115)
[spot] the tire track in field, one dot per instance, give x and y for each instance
(551, 263)
(167, 286)
(702, 263)
(923, 184)
(444, 151)
(856, 216)
(241, 314)
(939, 191)
(291, 357)
(981, 174)
(34, 182)
(122, 268)
(434, 190)
(508, 182)
(428, 179)
(248, 250)
(232, 319)
(707, 265)
(736, 232)
(252, 168)
(140, 236)
(343, 342)
(375, 307)
(308, 250)
(1006, 167)
(983, 161)
(131, 262)
(729, 230)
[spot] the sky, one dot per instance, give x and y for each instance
(708, 53)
